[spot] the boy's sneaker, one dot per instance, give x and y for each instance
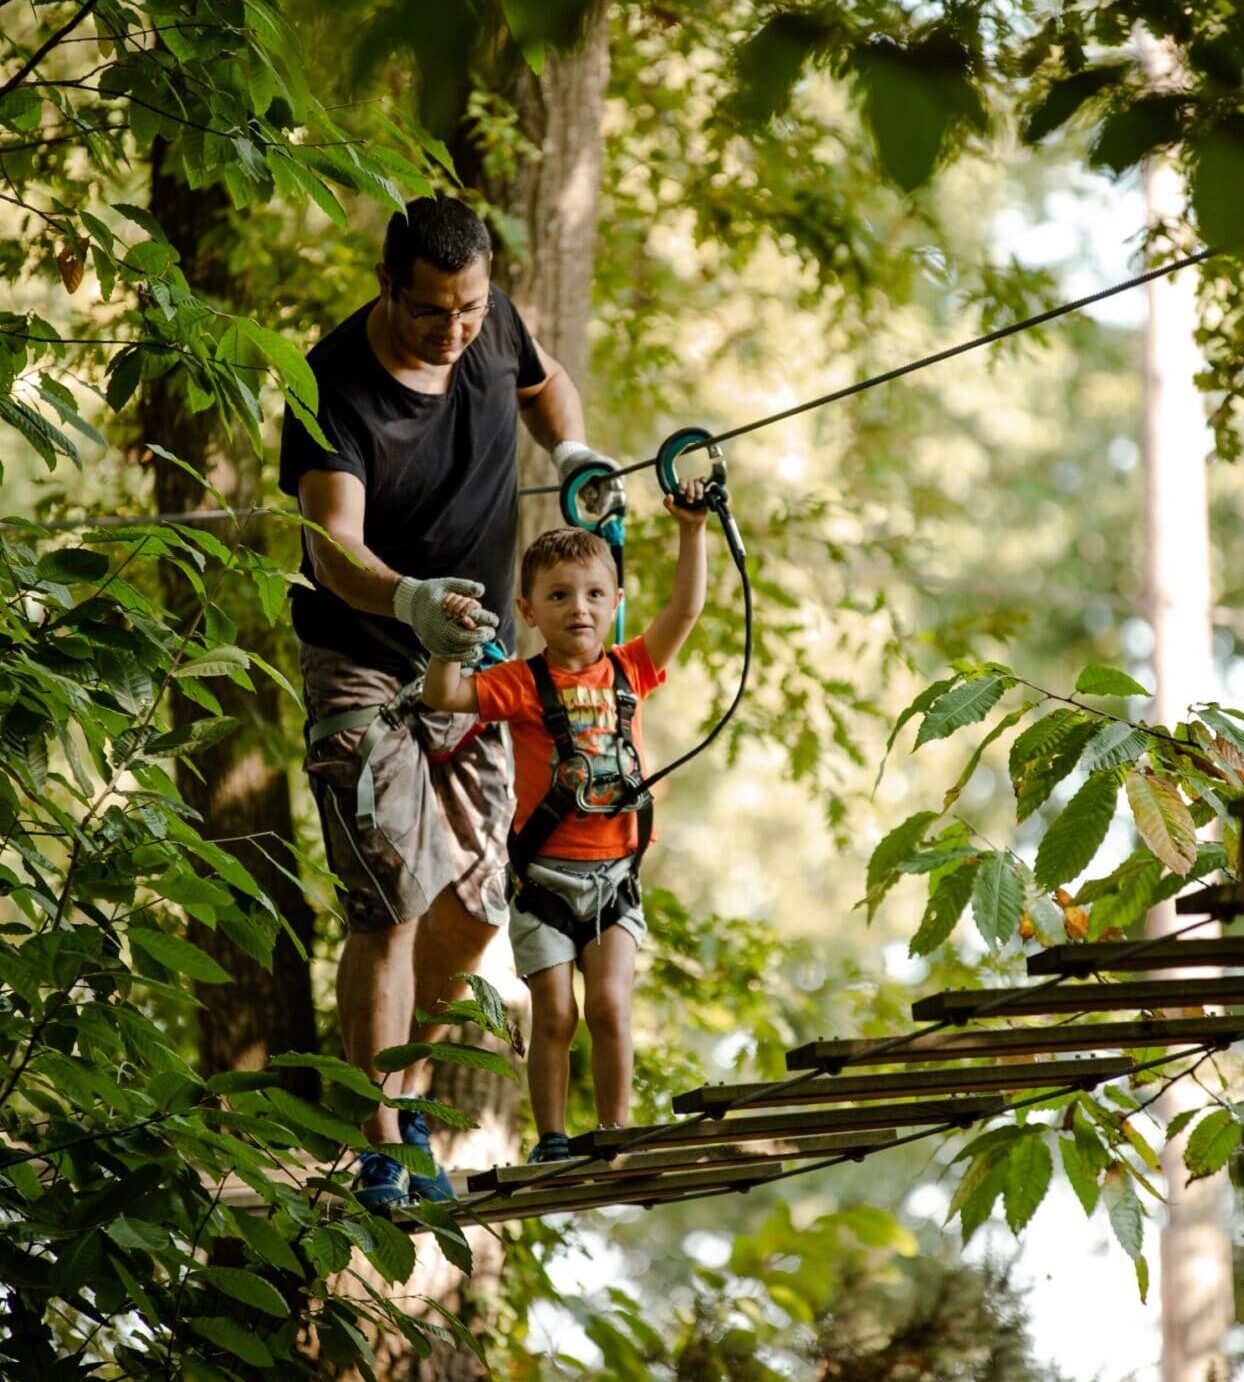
(415, 1133)
(553, 1146)
(381, 1183)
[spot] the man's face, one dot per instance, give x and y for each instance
(437, 315)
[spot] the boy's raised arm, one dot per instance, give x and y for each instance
(445, 688)
(668, 631)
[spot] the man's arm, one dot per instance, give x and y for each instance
(445, 688)
(552, 409)
(342, 561)
(668, 631)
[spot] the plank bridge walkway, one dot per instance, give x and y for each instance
(845, 1099)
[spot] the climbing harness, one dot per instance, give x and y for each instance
(402, 709)
(578, 785)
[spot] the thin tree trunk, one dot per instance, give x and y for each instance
(241, 789)
(1196, 1272)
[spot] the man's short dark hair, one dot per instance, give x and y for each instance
(442, 230)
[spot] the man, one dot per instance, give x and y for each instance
(416, 497)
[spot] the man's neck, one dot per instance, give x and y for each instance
(413, 374)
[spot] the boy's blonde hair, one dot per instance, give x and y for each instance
(558, 545)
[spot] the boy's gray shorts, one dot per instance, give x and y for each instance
(441, 816)
(536, 944)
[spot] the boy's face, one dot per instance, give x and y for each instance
(572, 604)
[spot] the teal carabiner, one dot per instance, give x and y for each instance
(609, 525)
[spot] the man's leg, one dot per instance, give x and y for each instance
(554, 1018)
(448, 941)
(375, 997)
(608, 975)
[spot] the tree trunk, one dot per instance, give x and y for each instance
(1197, 1292)
(241, 788)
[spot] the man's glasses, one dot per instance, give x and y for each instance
(440, 316)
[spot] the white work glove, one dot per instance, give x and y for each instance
(420, 604)
(600, 497)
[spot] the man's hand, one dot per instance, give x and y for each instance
(602, 496)
(421, 604)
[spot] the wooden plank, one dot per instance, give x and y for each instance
(579, 1170)
(929, 1047)
(1224, 901)
(829, 1089)
(644, 1190)
(963, 1005)
(766, 1126)
(1120, 957)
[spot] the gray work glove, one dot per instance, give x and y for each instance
(420, 604)
(600, 498)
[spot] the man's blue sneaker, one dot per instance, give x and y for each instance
(381, 1183)
(553, 1146)
(414, 1129)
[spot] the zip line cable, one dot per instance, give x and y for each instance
(836, 396)
(850, 390)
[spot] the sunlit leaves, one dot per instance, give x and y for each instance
(1096, 680)
(1163, 819)
(963, 705)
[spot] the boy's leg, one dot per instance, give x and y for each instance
(554, 1017)
(608, 974)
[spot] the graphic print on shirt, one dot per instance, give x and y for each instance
(593, 714)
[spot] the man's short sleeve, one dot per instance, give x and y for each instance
(300, 452)
(530, 370)
(505, 691)
(644, 676)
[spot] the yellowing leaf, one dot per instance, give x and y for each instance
(1163, 820)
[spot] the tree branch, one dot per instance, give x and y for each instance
(40, 53)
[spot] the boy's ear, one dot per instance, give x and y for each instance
(524, 608)
(619, 596)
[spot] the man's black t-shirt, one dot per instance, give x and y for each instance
(440, 473)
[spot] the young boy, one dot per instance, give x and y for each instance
(576, 899)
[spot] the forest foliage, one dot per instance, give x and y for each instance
(113, 1245)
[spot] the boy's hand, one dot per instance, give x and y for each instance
(460, 608)
(692, 493)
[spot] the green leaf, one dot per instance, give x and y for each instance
(1217, 176)
(392, 1253)
(1123, 1207)
(220, 662)
(1115, 744)
(1029, 1169)
(891, 851)
(331, 1067)
(1096, 680)
(947, 900)
(1126, 136)
(1163, 820)
(1142, 1277)
(181, 956)
(233, 1338)
(1045, 753)
(248, 1287)
(997, 899)
(1083, 1178)
(398, 1057)
(190, 738)
(1065, 96)
(965, 705)
(267, 1242)
(1211, 1143)
(73, 565)
(953, 793)
(1075, 837)
(301, 1113)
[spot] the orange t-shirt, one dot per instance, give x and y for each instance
(508, 692)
